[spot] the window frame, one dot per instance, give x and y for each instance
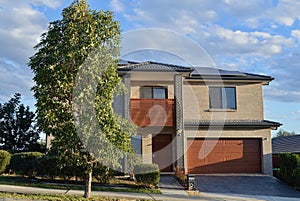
(224, 103)
(152, 91)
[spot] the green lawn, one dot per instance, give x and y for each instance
(60, 197)
(117, 185)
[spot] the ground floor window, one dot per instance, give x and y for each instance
(136, 142)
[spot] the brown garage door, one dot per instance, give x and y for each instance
(210, 156)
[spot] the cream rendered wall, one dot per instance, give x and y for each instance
(248, 96)
(264, 134)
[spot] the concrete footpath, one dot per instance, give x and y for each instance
(170, 188)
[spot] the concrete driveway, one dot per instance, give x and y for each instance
(248, 186)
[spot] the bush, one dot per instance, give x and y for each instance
(25, 163)
(297, 176)
(289, 168)
(48, 166)
(102, 173)
(147, 174)
(4, 160)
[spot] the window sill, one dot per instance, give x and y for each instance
(221, 110)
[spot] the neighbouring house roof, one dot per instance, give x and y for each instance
(232, 123)
(289, 144)
(203, 73)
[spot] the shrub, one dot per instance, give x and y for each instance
(289, 165)
(147, 174)
(102, 173)
(48, 166)
(25, 163)
(4, 160)
(297, 176)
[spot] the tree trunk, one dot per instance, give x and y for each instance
(88, 184)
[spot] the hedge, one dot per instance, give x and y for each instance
(102, 173)
(25, 163)
(48, 166)
(147, 174)
(289, 170)
(4, 160)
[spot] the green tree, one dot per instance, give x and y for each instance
(61, 54)
(17, 126)
(284, 133)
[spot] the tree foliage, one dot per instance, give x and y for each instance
(284, 133)
(18, 131)
(60, 55)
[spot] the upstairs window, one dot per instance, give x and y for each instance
(222, 97)
(153, 92)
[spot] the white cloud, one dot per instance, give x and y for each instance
(21, 24)
(296, 34)
(14, 79)
(255, 13)
(285, 13)
(117, 5)
(182, 16)
(48, 3)
(198, 20)
(285, 20)
(286, 71)
(186, 23)
(20, 27)
(222, 41)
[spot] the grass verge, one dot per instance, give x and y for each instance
(40, 197)
(122, 186)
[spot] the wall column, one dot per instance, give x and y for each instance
(179, 121)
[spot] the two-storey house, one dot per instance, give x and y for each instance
(205, 120)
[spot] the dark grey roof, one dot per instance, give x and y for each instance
(217, 74)
(203, 73)
(153, 67)
(232, 123)
(286, 144)
(208, 71)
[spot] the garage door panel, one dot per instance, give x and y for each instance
(228, 156)
(251, 149)
(216, 149)
(233, 156)
(212, 160)
(251, 156)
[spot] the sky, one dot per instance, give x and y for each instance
(256, 36)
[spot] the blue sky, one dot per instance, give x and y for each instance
(258, 36)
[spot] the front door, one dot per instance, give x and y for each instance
(162, 152)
